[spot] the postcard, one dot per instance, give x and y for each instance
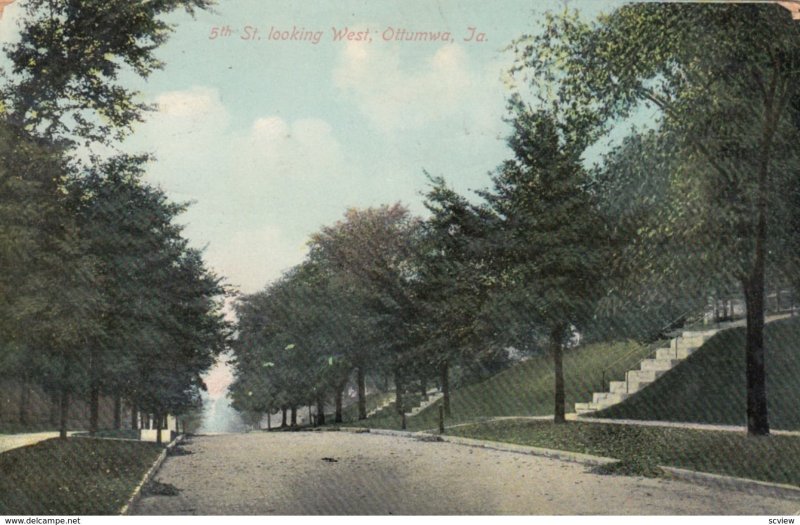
(418, 258)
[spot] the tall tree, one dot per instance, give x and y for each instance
(725, 79)
(452, 281)
(66, 66)
(372, 250)
(549, 238)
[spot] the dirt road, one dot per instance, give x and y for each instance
(287, 474)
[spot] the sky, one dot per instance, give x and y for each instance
(276, 126)
(272, 139)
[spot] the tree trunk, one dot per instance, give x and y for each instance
(24, 399)
(94, 408)
(117, 412)
(157, 419)
(444, 372)
(362, 393)
(423, 388)
(54, 400)
(757, 416)
(269, 419)
(398, 392)
(294, 416)
(320, 411)
(557, 349)
(283, 417)
(134, 417)
(63, 413)
(337, 418)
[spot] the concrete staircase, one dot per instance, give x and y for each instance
(433, 396)
(649, 370)
(388, 402)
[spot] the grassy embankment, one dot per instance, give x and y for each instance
(709, 386)
(526, 389)
(641, 449)
(76, 476)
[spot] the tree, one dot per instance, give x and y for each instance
(22, 203)
(371, 250)
(66, 65)
(160, 321)
(549, 238)
(452, 281)
(63, 86)
(730, 106)
(634, 192)
(49, 279)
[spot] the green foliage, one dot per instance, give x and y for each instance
(161, 319)
(549, 236)
(100, 291)
(452, 278)
(728, 118)
(68, 62)
(295, 341)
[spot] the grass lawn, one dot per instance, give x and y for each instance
(709, 386)
(527, 388)
(76, 476)
(775, 458)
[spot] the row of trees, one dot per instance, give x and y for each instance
(100, 293)
(385, 292)
(703, 198)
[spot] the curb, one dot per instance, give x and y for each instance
(766, 488)
(137, 492)
(355, 430)
(563, 455)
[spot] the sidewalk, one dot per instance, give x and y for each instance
(636, 422)
(12, 441)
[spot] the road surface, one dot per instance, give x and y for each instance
(286, 473)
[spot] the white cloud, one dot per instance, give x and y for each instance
(276, 150)
(398, 96)
(252, 258)
(243, 181)
(10, 20)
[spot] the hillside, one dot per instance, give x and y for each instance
(709, 386)
(526, 389)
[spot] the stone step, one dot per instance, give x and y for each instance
(659, 364)
(629, 387)
(666, 353)
(644, 376)
(650, 369)
(618, 387)
(707, 334)
(380, 408)
(687, 342)
(432, 398)
(585, 408)
(608, 397)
